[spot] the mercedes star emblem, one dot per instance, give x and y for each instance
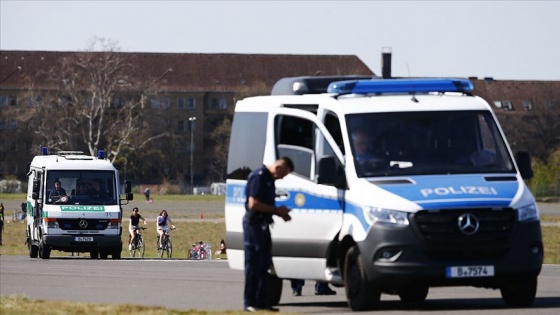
(468, 224)
(83, 224)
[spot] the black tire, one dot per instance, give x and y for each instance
(159, 250)
(169, 248)
(361, 295)
(520, 292)
(33, 249)
(413, 296)
(103, 254)
(94, 254)
(132, 252)
(44, 251)
(140, 247)
(274, 289)
(117, 251)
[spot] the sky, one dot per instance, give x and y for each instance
(506, 40)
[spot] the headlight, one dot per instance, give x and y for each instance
(113, 224)
(376, 214)
(528, 213)
(51, 223)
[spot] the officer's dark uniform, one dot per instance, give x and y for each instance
(256, 238)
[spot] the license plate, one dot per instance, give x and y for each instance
(470, 271)
(83, 239)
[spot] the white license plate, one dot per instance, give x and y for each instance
(470, 271)
(83, 239)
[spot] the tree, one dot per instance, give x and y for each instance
(220, 136)
(94, 101)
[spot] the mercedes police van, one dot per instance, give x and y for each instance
(440, 201)
(85, 215)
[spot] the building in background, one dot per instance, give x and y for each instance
(190, 96)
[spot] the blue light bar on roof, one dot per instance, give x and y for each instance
(399, 86)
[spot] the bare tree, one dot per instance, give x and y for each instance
(220, 136)
(94, 101)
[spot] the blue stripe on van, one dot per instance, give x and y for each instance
(452, 191)
(235, 195)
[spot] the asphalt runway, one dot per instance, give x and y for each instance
(211, 285)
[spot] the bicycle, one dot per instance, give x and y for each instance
(138, 245)
(166, 246)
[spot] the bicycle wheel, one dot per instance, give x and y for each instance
(159, 249)
(140, 246)
(132, 251)
(169, 248)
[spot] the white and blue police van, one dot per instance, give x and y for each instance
(443, 203)
(87, 217)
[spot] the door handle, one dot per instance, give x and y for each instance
(282, 195)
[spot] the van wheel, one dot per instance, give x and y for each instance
(116, 253)
(274, 289)
(103, 254)
(44, 251)
(33, 250)
(360, 292)
(413, 296)
(519, 292)
(94, 254)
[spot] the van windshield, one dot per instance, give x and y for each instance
(414, 143)
(81, 188)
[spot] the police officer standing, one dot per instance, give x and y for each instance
(260, 193)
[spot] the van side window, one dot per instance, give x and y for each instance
(333, 126)
(246, 145)
(295, 140)
(302, 141)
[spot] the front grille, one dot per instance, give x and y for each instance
(74, 224)
(445, 241)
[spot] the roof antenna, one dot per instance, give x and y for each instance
(414, 99)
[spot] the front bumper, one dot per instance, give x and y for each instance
(403, 256)
(68, 243)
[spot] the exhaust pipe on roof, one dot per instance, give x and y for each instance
(386, 55)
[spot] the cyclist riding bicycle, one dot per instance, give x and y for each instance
(135, 218)
(163, 221)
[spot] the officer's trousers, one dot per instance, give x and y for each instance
(257, 245)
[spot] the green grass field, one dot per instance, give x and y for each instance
(20, 305)
(188, 233)
(182, 238)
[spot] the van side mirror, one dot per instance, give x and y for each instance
(36, 189)
(127, 187)
(330, 174)
(524, 163)
(129, 196)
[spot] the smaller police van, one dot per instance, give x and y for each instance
(82, 213)
(440, 201)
